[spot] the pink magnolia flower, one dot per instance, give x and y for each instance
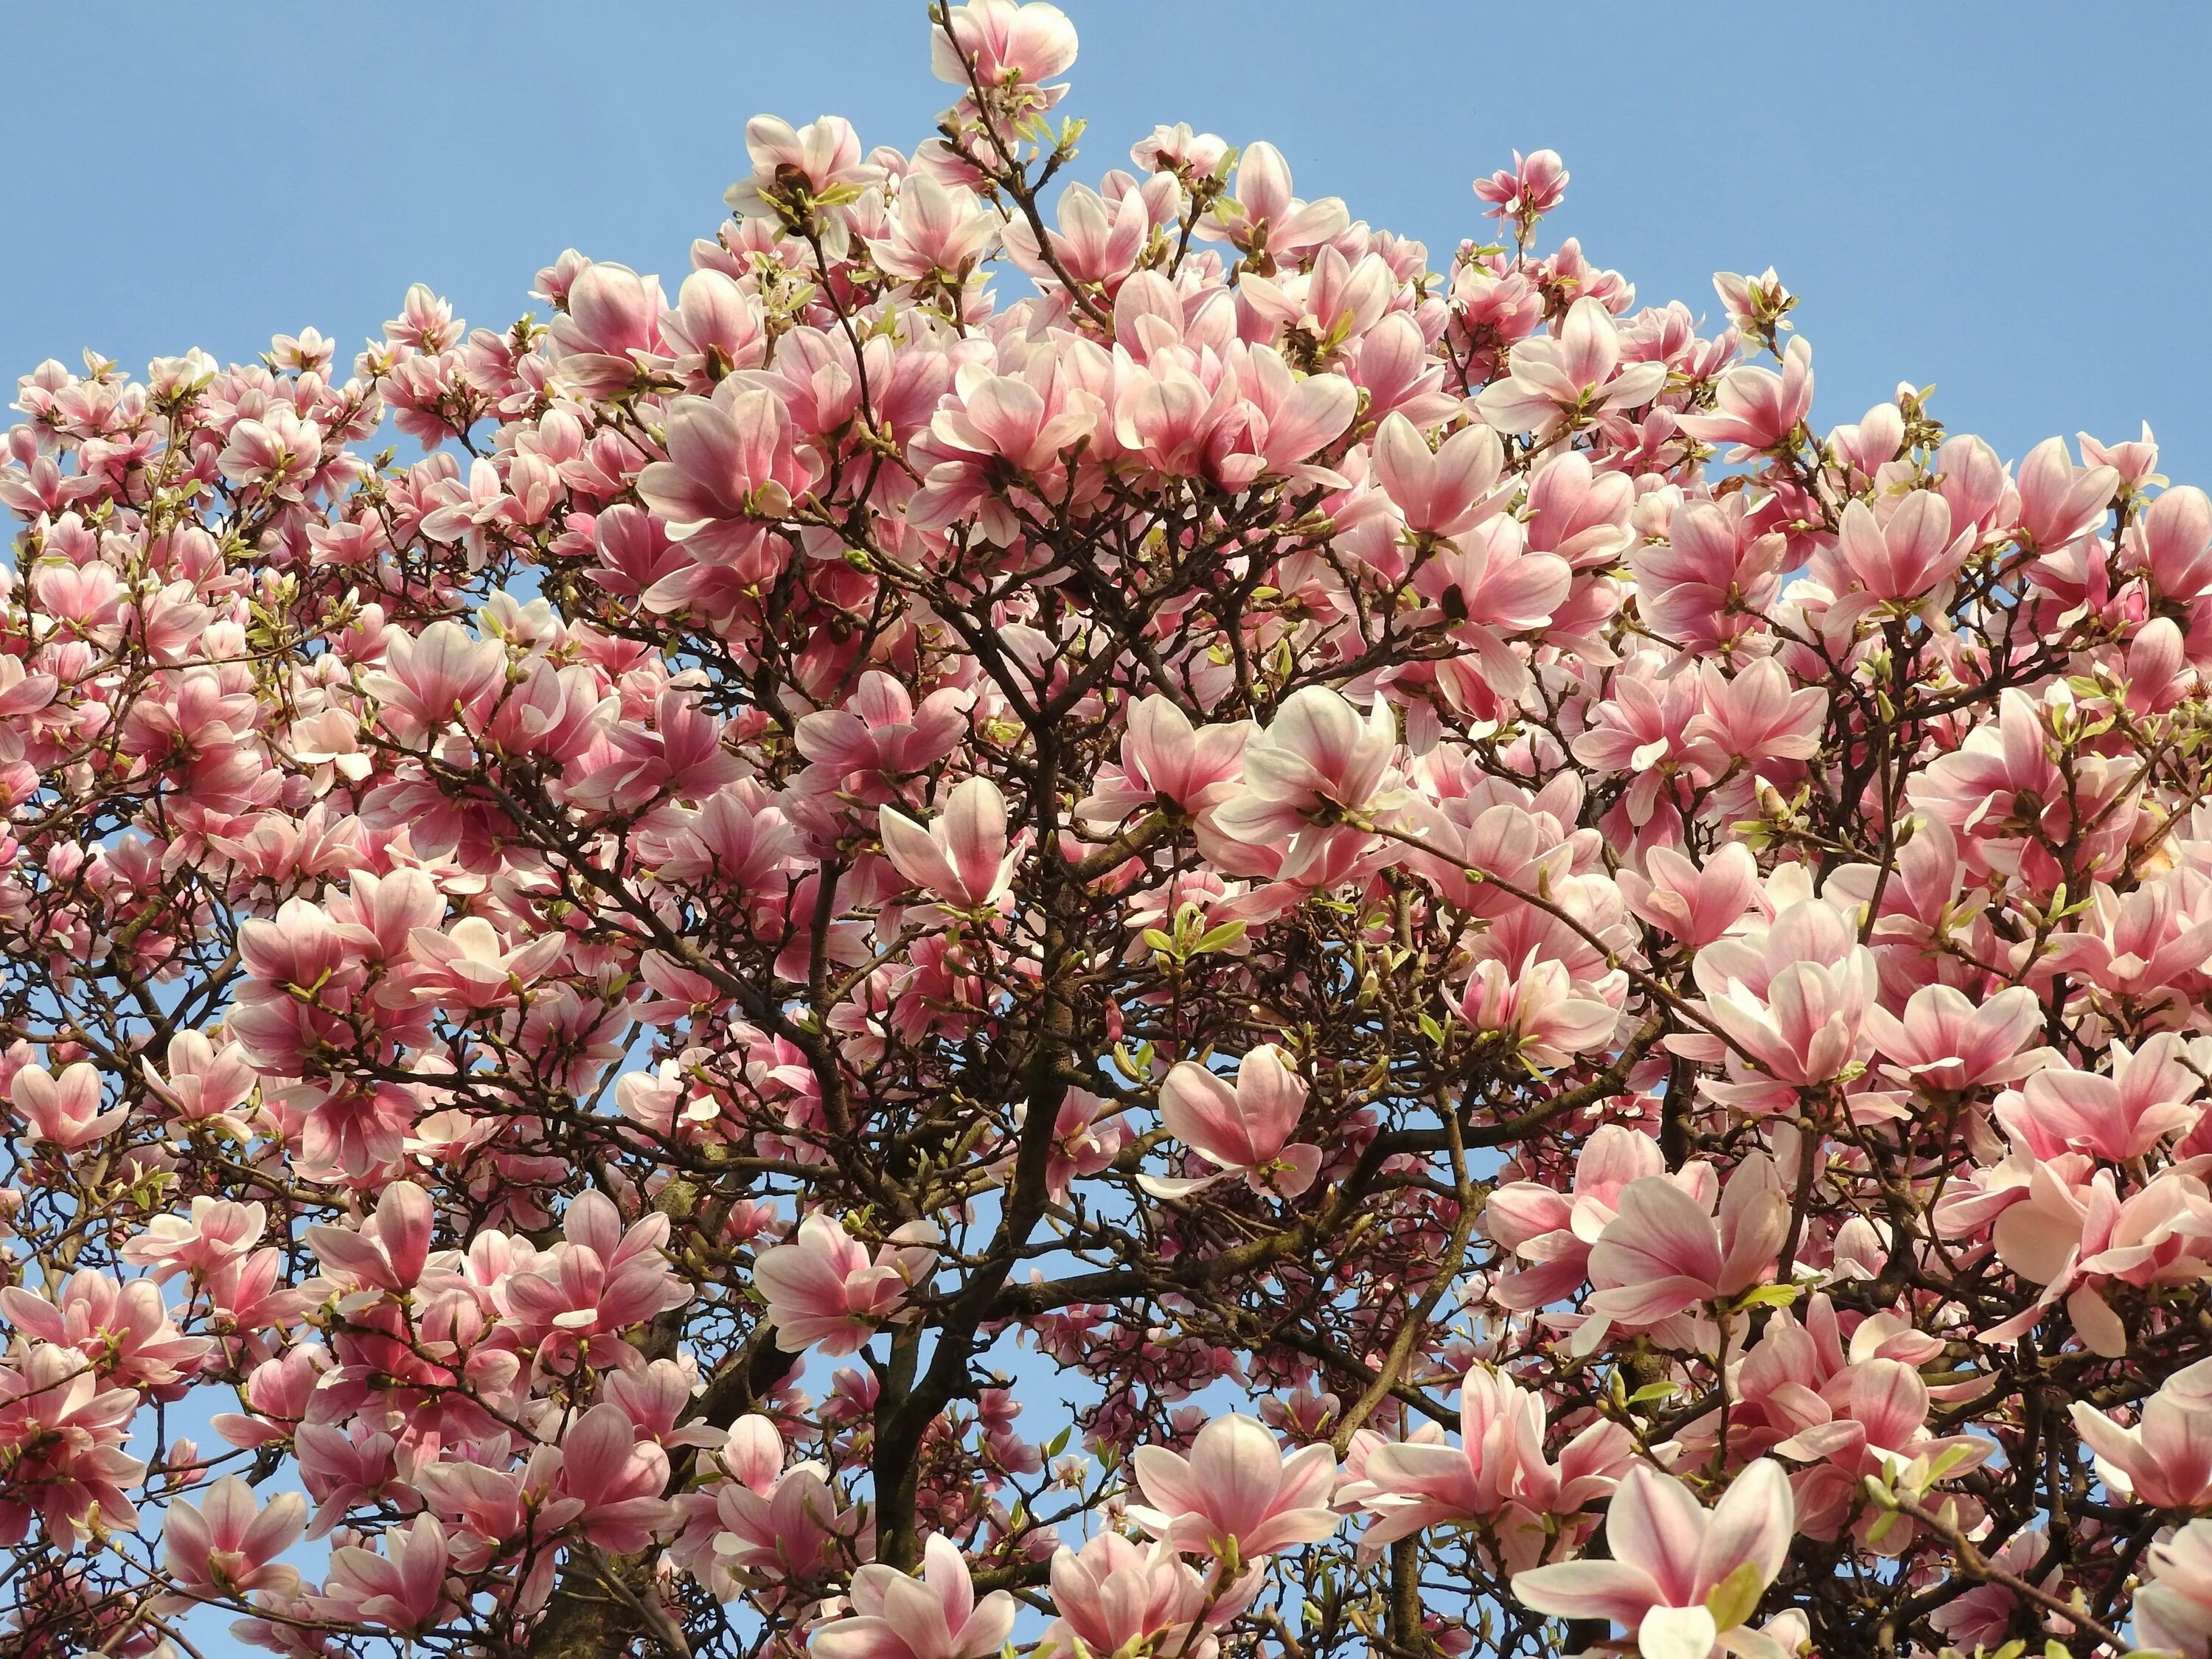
(1794, 996)
(1287, 417)
(999, 425)
(121, 1326)
(2173, 1608)
(1533, 186)
(214, 1232)
(1442, 492)
(63, 1435)
(1316, 759)
(1246, 1130)
(2172, 543)
(1751, 301)
(430, 680)
(935, 1616)
(2149, 1095)
(64, 1111)
(1004, 43)
(466, 968)
(1661, 1254)
(1696, 904)
(403, 1588)
(281, 452)
(1116, 1595)
(2071, 1236)
(1167, 762)
(227, 1544)
(1756, 409)
(881, 732)
(1682, 1578)
(1945, 1041)
(1496, 1473)
(1236, 1497)
(784, 1524)
(819, 159)
(1757, 715)
(1487, 588)
(600, 1279)
(616, 1477)
(825, 1291)
(1264, 216)
(938, 231)
(1570, 378)
(716, 326)
(1552, 1231)
(2165, 1458)
(964, 856)
(1909, 554)
(2059, 500)
(389, 1250)
(1541, 1009)
(731, 458)
(204, 1084)
(1712, 578)
(1869, 1418)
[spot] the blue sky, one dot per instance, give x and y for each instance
(2011, 202)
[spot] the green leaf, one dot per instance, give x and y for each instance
(1736, 1596)
(1768, 1296)
(1219, 939)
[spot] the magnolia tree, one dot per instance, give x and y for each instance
(1095, 917)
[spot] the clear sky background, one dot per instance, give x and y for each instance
(2012, 201)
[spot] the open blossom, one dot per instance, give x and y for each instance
(1682, 1578)
(1498, 1473)
(793, 165)
(2166, 1459)
(1755, 408)
(1570, 377)
(938, 231)
(964, 857)
(1548, 1020)
(1115, 1593)
(1236, 1497)
(1166, 760)
(1695, 904)
(64, 1111)
(401, 1587)
(824, 1290)
(122, 1328)
(1446, 492)
(1661, 1253)
(227, 1544)
(1944, 1040)
(2147, 1095)
(1317, 761)
(1794, 995)
(66, 1434)
(1002, 43)
(1533, 184)
(2173, 1609)
(936, 1616)
(1245, 1129)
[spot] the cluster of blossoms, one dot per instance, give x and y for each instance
(1516, 1001)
